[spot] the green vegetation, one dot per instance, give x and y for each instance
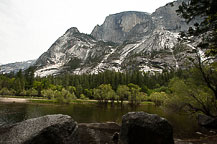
(158, 98)
(183, 89)
(123, 93)
(193, 89)
(200, 90)
(105, 87)
(206, 29)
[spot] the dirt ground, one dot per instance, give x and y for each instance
(204, 140)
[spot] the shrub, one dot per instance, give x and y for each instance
(191, 97)
(82, 96)
(48, 93)
(158, 98)
(23, 93)
(64, 96)
(5, 91)
(32, 92)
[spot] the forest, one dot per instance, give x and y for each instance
(178, 90)
(193, 89)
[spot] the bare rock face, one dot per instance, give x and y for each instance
(144, 128)
(167, 17)
(126, 41)
(15, 67)
(124, 26)
(98, 133)
(53, 129)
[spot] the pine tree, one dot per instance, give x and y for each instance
(207, 28)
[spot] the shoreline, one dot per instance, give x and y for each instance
(13, 100)
(16, 99)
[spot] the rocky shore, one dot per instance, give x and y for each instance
(137, 127)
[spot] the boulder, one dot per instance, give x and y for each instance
(98, 133)
(53, 129)
(207, 121)
(144, 128)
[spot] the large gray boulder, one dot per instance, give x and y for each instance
(144, 128)
(98, 133)
(53, 129)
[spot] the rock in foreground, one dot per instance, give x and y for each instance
(207, 121)
(97, 133)
(53, 129)
(143, 128)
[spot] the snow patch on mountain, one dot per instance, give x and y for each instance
(48, 70)
(125, 41)
(98, 68)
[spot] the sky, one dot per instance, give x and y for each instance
(29, 27)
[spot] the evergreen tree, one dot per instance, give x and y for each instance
(29, 76)
(207, 29)
(206, 10)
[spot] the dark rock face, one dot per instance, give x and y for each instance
(132, 26)
(207, 121)
(143, 128)
(55, 129)
(123, 26)
(97, 133)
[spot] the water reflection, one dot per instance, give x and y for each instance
(10, 113)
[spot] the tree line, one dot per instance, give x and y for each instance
(23, 83)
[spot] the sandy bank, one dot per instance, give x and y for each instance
(12, 100)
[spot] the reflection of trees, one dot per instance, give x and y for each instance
(12, 112)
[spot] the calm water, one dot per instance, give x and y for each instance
(184, 126)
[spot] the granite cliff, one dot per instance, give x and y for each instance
(125, 41)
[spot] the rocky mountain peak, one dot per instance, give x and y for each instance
(125, 41)
(71, 31)
(133, 25)
(167, 17)
(122, 26)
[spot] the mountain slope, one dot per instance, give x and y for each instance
(73, 52)
(15, 67)
(125, 41)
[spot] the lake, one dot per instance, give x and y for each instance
(183, 125)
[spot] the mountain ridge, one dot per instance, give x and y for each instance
(126, 41)
(16, 66)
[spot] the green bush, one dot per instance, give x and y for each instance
(135, 97)
(32, 92)
(82, 96)
(48, 93)
(5, 91)
(64, 96)
(191, 97)
(23, 93)
(158, 98)
(103, 93)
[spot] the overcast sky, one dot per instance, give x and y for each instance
(29, 27)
